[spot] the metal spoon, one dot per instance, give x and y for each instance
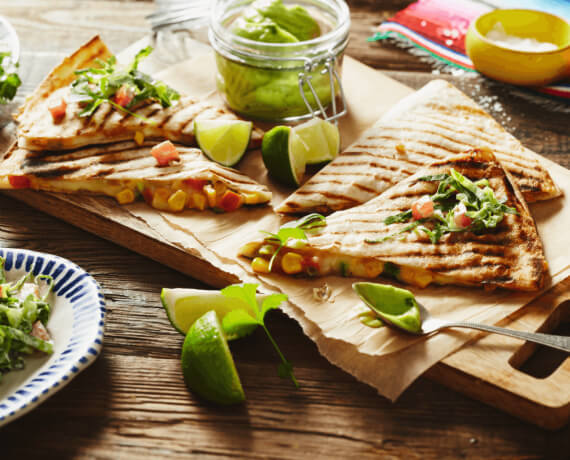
(429, 324)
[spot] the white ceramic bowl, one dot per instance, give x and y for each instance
(75, 324)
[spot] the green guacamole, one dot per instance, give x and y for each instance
(269, 90)
(273, 22)
(396, 305)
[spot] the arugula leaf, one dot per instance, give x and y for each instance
(96, 85)
(481, 204)
(307, 223)
(9, 79)
(434, 178)
(401, 217)
(238, 321)
(295, 229)
(407, 228)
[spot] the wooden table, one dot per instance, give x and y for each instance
(132, 402)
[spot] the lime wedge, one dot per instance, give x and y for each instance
(223, 141)
(207, 363)
(321, 139)
(286, 151)
(284, 154)
(184, 306)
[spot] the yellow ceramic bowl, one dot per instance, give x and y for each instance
(520, 67)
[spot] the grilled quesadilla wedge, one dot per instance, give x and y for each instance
(39, 130)
(127, 171)
(431, 124)
(385, 236)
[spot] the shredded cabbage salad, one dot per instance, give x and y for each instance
(24, 313)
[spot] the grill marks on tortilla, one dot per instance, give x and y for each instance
(434, 123)
(126, 160)
(510, 255)
(108, 124)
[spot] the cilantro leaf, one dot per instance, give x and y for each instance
(272, 302)
(236, 322)
(295, 229)
(245, 292)
(9, 79)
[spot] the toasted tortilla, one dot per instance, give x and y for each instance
(110, 169)
(433, 123)
(37, 130)
(353, 241)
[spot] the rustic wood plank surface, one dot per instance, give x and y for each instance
(132, 402)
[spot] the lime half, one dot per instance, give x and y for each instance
(207, 363)
(223, 141)
(184, 306)
(321, 140)
(284, 154)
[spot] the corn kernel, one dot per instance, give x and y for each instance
(415, 276)
(220, 188)
(368, 268)
(250, 198)
(249, 249)
(198, 201)
(125, 196)
(291, 263)
(260, 265)
(139, 138)
(160, 199)
(401, 149)
(177, 200)
(211, 195)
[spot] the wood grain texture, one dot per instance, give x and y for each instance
(132, 402)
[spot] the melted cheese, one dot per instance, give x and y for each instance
(114, 188)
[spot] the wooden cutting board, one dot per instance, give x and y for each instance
(488, 372)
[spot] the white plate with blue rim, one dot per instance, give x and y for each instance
(76, 326)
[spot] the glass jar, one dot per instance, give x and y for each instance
(281, 81)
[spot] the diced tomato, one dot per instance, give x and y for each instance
(165, 152)
(39, 331)
(19, 181)
(461, 220)
(58, 111)
(310, 262)
(1, 292)
(230, 201)
(124, 96)
(422, 208)
(196, 184)
(147, 195)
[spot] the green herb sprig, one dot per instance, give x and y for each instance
(296, 229)
(481, 204)
(96, 85)
(238, 323)
(9, 79)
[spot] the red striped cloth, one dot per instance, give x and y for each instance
(438, 28)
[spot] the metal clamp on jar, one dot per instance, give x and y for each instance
(274, 81)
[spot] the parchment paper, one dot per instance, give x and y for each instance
(388, 360)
